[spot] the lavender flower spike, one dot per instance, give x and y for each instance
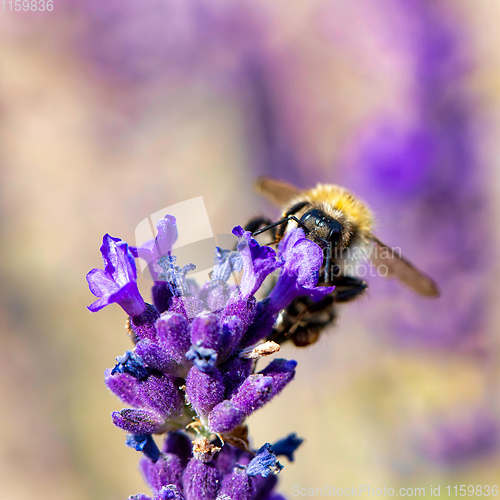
(118, 282)
(186, 376)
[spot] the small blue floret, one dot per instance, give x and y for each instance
(202, 357)
(264, 463)
(144, 443)
(287, 446)
(132, 364)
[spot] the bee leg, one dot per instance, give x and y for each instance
(348, 288)
(322, 316)
(304, 320)
(307, 335)
(328, 258)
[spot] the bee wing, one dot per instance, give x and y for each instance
(278, 192)
(398, 267)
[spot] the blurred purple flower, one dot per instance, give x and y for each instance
(460, 439)
(225, 44)
(422, 173)
(137, 42)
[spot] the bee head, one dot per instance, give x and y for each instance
(321, 226)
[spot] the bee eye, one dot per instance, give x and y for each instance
(336, 233)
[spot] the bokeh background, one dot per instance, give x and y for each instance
(110, 111)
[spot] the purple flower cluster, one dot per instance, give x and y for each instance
(192, 370)
(464, 435)
(201, 470)
(138, 42)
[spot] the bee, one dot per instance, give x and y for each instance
(341, 225)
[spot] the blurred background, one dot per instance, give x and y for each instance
(111, 111)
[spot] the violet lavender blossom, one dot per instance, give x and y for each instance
(459, 438)
(421, 171)
(192, 372)
(139, 42)
(118, 282)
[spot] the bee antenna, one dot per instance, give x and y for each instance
(282, 221)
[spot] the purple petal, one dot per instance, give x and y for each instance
(155, 356)
(206, 330)
(255, 391)
(167, 470)
(299, 276)
(204, 390)
(119, 261)
(100, 283)
(173, 331)
(201, 481)
(162, 294)
(153, 250)
(143, 327)
(232, 333)
(237, 485)
(225, 417)
(234, 372)
(178, 443)
(160, 394)
(118, 282)
(258, 262)
(129, 299)
(282, 372)
(262, 326)
(124, 386)
(138, 421)
(139, 496)
(167, 235)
